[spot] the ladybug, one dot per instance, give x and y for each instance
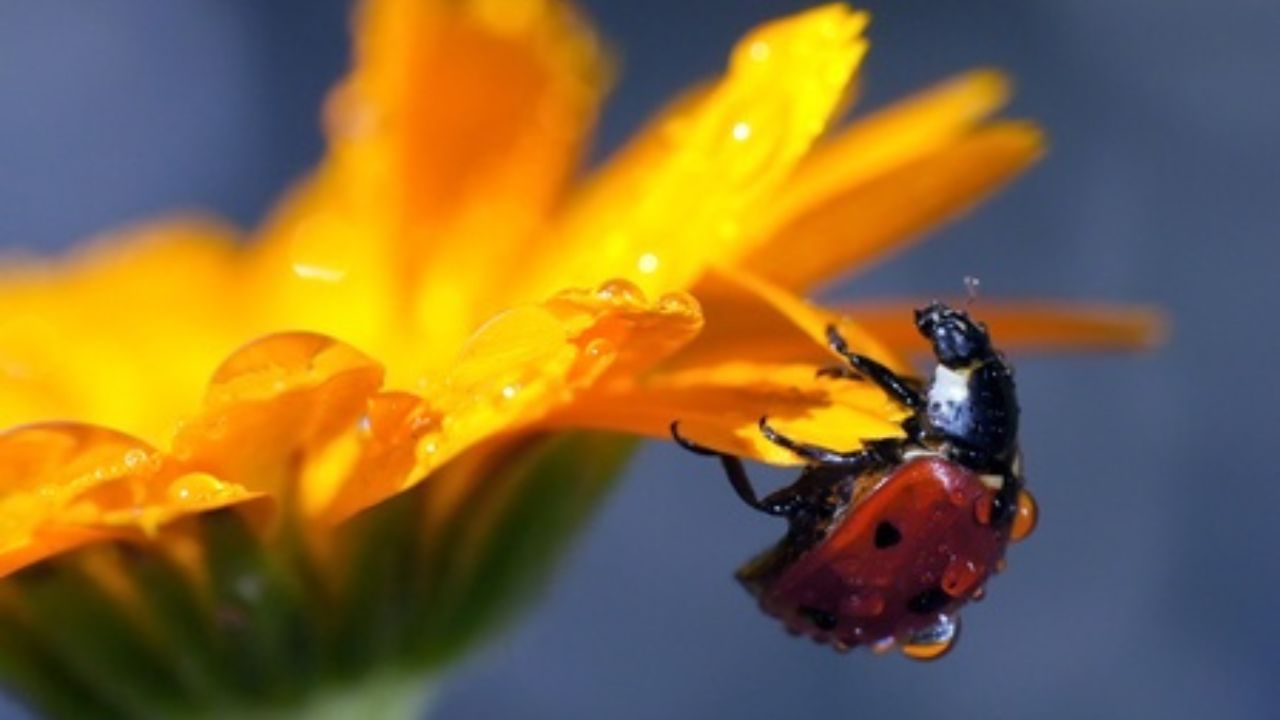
(885, 544)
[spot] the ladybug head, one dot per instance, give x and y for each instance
(957, 341)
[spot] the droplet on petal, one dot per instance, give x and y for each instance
(65, 458)
(678, 303)
(648, 263)
(319, 251)
(934, 641)
(196, 488)
(277, 363)
(621, 291)
(600, 349)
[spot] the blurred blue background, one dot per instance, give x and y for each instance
(1151, 586)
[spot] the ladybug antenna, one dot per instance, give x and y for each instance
(971, 287)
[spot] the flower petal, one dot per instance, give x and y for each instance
(66, 484)
(659, 215)
(851, 228)
(720, 406)
(750, 318)
(273, 410)
(145, 313)
(520, 366)
(450, 143)
(883, 141)
(1026, 325)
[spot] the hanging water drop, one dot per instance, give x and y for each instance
(934, 641)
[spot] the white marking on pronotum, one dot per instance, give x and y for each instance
(950, 387)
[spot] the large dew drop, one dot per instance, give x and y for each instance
(275, 364)
(934, 641)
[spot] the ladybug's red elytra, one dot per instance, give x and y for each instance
(885, 544)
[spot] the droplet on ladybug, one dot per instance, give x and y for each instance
(934, 641)
(1025, 517)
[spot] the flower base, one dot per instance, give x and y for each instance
(229, 615)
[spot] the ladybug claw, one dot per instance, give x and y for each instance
(836, 340)
(688, 444)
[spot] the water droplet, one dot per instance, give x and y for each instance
(364, 425)
(319, 249)
(934, 641)
(621, 292)
(759, 51)
(137, 458)
(648, 263)
(978, 594)
(599, 349)
(196, 488)
(1024, 519)
(510, 391)
(982, 510)
(960, 577)
(678, 303)
(741, 131)
(882, 646)
(277, 363)
(864, 603)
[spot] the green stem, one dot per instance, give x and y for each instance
(382, 697)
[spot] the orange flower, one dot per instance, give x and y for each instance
(446, 237)
(447, 284)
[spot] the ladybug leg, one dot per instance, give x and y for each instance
(899, 388)
(876, 453)
(839, 372)
(782, 502)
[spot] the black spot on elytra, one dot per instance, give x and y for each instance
(927, 602)
(821, 619)
(887, 535)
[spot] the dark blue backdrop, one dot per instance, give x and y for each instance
(1151, 586)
